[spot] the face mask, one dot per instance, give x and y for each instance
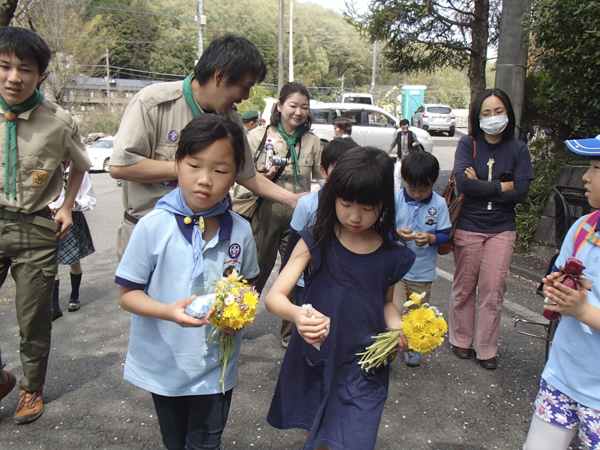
(494, 125)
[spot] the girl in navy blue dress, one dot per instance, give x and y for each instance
(351, 264)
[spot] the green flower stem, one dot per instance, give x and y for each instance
(381, 352)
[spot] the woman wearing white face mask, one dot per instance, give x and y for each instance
(493, 169)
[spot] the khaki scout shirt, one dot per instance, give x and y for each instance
(308, 151)
(150, 128)
(46, 136)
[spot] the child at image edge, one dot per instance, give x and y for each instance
(423, 222)
(353, 265)
(569, 396)
(167, 263)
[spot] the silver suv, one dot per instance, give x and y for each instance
(435, 117)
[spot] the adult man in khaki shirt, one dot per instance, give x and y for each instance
(144, 147)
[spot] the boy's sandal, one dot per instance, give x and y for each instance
(74, 305)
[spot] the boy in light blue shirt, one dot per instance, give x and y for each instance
(423, 222)
(189, 239)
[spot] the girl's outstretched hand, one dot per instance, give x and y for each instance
(402, 342)
(311, 328)
(176, 313)
(570, 302)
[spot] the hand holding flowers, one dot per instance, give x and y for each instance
(311, 324)
(423, 328)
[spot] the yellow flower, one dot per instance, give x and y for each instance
(250, 299)
(415, 300)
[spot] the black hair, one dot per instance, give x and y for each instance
(254, 119)
(364, 175)
(475, 111)
(420, 169)
(288, 89)
(403, 122)
(344, 124)
(334, 150)
(205, 129)
(232, 55)
(26, 45)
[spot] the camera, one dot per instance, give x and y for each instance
(273, 159)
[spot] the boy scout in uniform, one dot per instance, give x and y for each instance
(37, 137)
(144, 147)
(250, 120)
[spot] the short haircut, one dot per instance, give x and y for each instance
(205, 129)
(288, 89)
(344, 124)
(26, 45)
(234, 56)
(334, 150)
(254, 119)
(475, 111)
(420, 169)
(404, 122)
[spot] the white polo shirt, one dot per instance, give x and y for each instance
(163, 357)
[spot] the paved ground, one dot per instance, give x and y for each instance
(445, 404)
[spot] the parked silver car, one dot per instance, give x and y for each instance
(435, 117)
(371, 125)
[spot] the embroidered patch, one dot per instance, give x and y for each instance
(173, 136)
(269, 146)
(39, 178)
(432, 211)
(430, 222)
(234, 250)
(230, 266)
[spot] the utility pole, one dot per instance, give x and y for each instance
(107, 79)
(291, 41)
(201, 22)
(511, 65)
(280, 52)
(374, 63)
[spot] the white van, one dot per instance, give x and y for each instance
(351, 97)
(371, 125)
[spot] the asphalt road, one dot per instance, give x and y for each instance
(445, 404)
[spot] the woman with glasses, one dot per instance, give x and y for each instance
(493, 169)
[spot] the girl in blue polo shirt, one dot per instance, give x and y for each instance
(171, 259)
(352, 263)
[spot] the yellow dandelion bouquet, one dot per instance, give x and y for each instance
(423, 326)
(235, 304)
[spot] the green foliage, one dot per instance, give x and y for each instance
(425, 35)
(565, 92)
(256, 100)
(101, 120)
(547, 156)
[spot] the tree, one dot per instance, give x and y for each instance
(564, 87)
(7, 11)
(73, 41)
(424, 35)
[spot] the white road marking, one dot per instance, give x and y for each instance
(514, 307)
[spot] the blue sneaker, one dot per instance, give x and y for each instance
(412, 359)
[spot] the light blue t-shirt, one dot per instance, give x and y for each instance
(163, 357)
(305, 215)
(573, 366)
(431, 218)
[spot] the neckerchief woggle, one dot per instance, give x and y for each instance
(189, 96)
(175, 203)
(291, 141)
(11, 154)
(415, 218)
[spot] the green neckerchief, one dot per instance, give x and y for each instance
(189, 96)
(11, 155)
(291, 141)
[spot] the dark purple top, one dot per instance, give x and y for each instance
(507, 155)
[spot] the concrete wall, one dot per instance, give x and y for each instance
(543, 239)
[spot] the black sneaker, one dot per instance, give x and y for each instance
(74, 305)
